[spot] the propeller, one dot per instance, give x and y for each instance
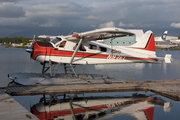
(30, 49)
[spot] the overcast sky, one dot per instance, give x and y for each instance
(60, 17)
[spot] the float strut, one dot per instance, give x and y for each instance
(70, 103)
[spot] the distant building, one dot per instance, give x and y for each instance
(15, 44)
(125, 41)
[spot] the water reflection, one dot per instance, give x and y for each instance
(137, 106)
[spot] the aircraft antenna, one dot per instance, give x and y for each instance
(71, 32)
(34, 39)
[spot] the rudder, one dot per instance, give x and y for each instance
(151, 44)
(146, 42)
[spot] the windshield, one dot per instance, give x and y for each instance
(55, 40)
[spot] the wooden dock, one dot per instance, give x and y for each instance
(167, 88)
(12, 110)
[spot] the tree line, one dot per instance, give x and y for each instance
(18, 40)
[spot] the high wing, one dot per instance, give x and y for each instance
(98, 34)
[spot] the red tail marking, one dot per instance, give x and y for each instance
(150, 113)
(151, 44)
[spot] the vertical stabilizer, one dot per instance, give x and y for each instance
(146, 42)
(164, 35)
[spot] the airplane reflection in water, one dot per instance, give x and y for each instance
(137, 106)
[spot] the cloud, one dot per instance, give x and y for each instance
(92, 17)
(108, 24)
(175, 25)
(130, 25)
(49, 23)
(121, 24)
(11, 10)
(93, 26)
(9, 0)
(82, 15)
(14, 22)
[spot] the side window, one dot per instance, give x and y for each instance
(103, 49)
(93, 47)
(62, 44)
(81, 48)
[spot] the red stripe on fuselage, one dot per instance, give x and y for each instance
(49, 51)
(38, 50)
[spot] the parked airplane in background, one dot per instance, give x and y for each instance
(82, 49)
(162, 38)
(162, 43)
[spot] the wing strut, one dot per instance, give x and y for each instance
(53, 71)
(74, 54)
(75, 51)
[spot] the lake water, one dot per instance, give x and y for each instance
(13, 60)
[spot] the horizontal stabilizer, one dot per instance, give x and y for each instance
(168, 58)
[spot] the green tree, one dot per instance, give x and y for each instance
(24, 40)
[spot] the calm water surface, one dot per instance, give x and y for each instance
(13, 60)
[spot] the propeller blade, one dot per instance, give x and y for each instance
(29, 50)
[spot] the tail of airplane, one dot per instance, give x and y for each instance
(163, 37)
(146, 42)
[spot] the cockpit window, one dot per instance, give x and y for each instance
(63, 43)
(55, 40)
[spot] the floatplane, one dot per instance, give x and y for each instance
(83, 49)
(138, 106)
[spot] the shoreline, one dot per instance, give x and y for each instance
(9, 46)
